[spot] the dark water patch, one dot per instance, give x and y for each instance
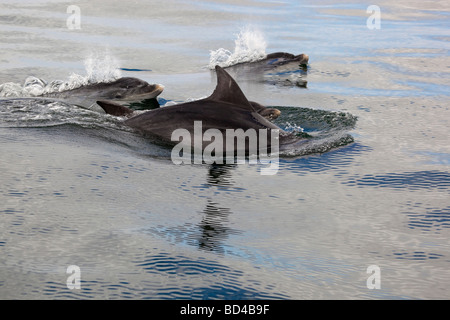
(17, 221)
(200, 278)
(134, 69)
(59, 194)
(337, 159)
(171, 264)
(407, 180)
(428, 218)
(416, 255)
(223, 292)
(11, 211)
(147, 104)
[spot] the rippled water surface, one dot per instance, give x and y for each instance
(370, 188)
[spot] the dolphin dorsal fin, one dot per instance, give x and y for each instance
(227, 90)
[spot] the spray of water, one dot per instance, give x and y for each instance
(249, 46)
(99, 68)
(102, 69)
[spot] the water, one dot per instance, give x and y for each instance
(80, 189)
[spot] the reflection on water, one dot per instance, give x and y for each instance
(188, 278)
(219, 175)
(211, 232)
(213, 227)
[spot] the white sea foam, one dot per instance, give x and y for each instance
(99, 68)
(102, 68)
(292, 127)
(250, 45)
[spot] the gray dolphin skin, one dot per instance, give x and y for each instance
(274, 60)
(118, 110)
(268, 113)
(123, 90)
(281, 58)
(226, 108)
(279, 68)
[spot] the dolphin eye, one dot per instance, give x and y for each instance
(118, 96)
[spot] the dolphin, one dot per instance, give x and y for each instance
(268, 113)
(226, 108)
(123, 90)
(275, 68)
(119, 110)
(276, 59)
(284, 57)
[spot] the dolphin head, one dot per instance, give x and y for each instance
(268, 113)
(128, 89)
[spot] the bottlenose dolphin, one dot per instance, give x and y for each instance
(268, 113)
(226, 108)
(275, 59)
(276, 68)
(123, 90)
(119, 110)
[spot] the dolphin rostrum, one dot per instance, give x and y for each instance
(123, 90)
(226, 108)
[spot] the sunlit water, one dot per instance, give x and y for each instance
(79, 188)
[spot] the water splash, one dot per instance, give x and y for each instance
(36, 112)
(292, 128)
(102, 69)
(250, 45)
(325, 130)
(99, 68)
